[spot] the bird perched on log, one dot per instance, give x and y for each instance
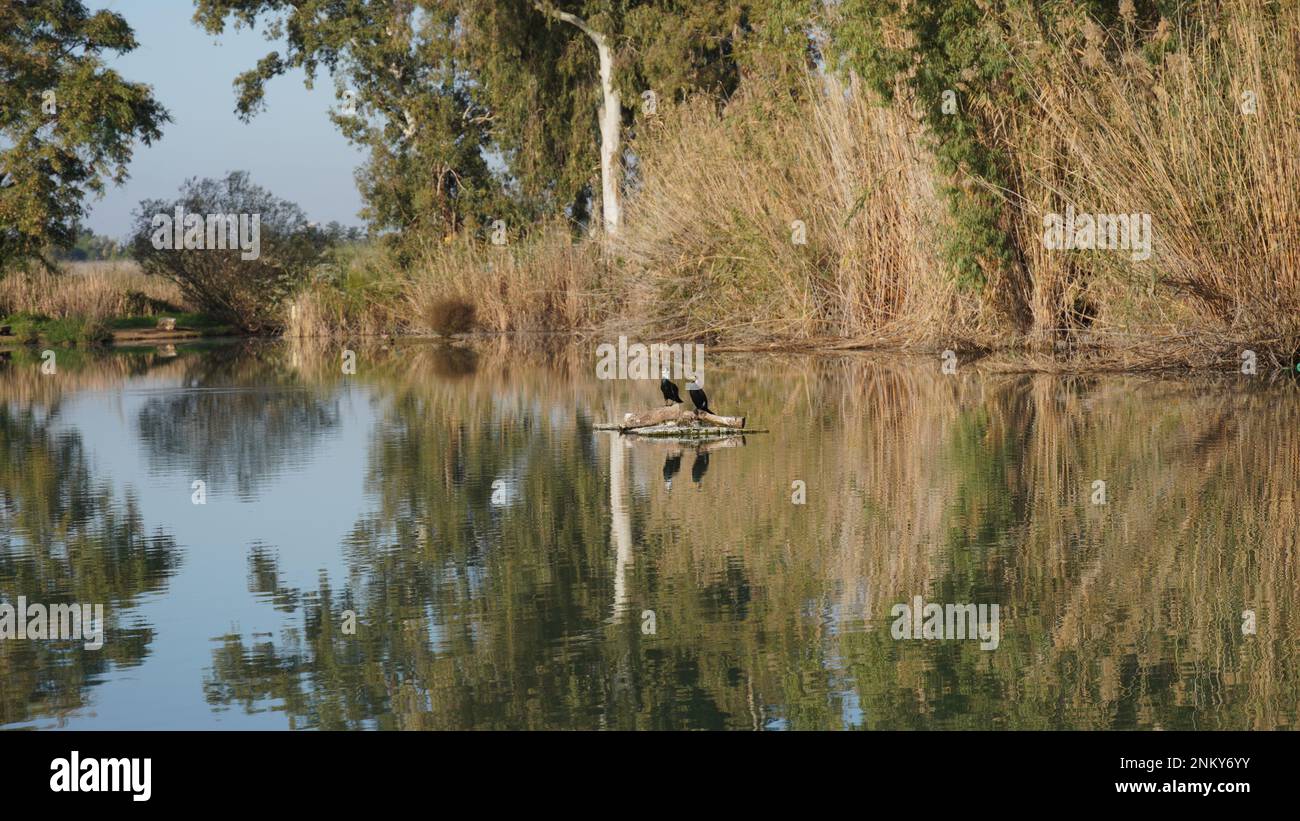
(696, 392)
(669, 389)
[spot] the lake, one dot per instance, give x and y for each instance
(441, 540)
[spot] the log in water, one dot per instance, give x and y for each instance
(676, 417)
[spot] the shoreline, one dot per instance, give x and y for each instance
(1008, 358)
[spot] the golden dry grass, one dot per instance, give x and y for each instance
(545, 282)
(91, 290)
(788, 219)
(812, 220)
(1207, 141)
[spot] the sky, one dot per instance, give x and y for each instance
(291, 149)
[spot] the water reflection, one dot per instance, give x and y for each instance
(241, 418)
(510, 567)
(699, 466)
(67, 538)
(672, 466)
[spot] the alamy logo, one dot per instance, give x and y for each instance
(1098, 232)
(55, 622)
(641, 361)
(935, 622)
(73, 774)
(198, 232)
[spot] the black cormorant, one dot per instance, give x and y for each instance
(696, 392)
(669, 389)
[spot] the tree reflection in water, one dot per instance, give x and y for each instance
(966, 489)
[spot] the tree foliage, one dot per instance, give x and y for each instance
(476, 110)
(224, 282)
(67, 123)
(403, 95)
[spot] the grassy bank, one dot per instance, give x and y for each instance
(545, 281)
(819, 217)
(838, 212)
(31, 329)
(88, 302)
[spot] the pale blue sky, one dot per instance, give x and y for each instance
(291, 149)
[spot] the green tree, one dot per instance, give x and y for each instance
(549, 89)
(241, 251)
(90, 246)
(580, 58)
(67, 123)
(404, 96)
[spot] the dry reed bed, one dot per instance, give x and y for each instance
(1178, 140)
(786, 219)
(91, 290)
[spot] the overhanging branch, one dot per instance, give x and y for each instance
(572, 19)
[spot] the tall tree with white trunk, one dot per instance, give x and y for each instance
(476, 110)
(611, 119)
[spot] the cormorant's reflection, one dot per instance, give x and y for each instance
(700, 466)
(672, 464)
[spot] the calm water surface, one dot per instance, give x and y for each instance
(442, 541)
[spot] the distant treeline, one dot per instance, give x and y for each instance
(91, 247)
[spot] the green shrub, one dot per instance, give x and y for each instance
(245, 286)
